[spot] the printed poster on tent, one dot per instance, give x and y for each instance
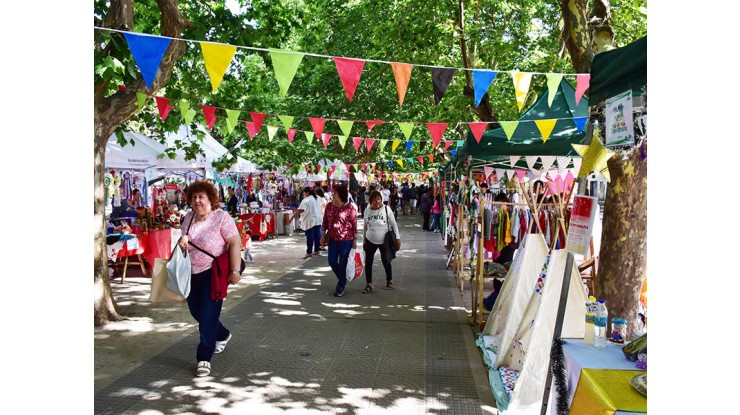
(581, 225)
(619, 126)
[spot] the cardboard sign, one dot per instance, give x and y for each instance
(581, 225)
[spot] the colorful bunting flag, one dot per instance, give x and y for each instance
(342, 140)
(251, 128)
(513, 160)
(547, 162)
(421, 159)
(520, 174)
(163, 107)
(402, 73)
(441, 78)
(285, 64)
(431, 157)
(373, 123)
(545, 127)
(291, 135)
(400, 162)
(217, 57)
(350, 71)
(271, 131)
(287, 121)
(481, 81)
(358, 142)
(563, 162)
(582, 83)
(509, 128)
(395, 144)
(408, 145)
(553, 82)
(460, 143)
(478, 128)
(390, 166)
(531, 160)
(580, 122)
(382, 144)
(318, 125)
(325, 139)
(407, 128)
(232, 118)
(140, 100)
(148, 52)
(186, 113)
(436, 130)
(210, 114)
(309, 136)
(369, 143)
(345, 126)
(487, 171)
(448, 143)
(257, 119)
(522, 80)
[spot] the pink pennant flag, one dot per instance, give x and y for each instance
(478, 128)
(210, 114)
(325, 139)
(358, 143)
(488, 171)
(569, 179)
(520, 174)
(369, 143)
(421, 159)
(257, 119)
(582, 83)
(163, 107)
(350, 71)
(318, 125)
(448, 143)
(291, 135)
(559, 184)
(251, 128)
(373, 123)
(436, 130)
(550, 185)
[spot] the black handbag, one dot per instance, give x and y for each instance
(389, 244)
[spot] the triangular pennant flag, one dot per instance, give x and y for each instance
(217, 57)
(148, 52)
(408, 145)
(251, 128)
(309, 136)
(545, 127)
(520, 174)
(369, 143)
(271, 131)
(481, 81)
(400, 162)
(478, 128)
(563, 162)
(559, 184)
(547, 162)
(553, 82)
(291, 135)
(325, 139)
(402, 73)
(582, 82)
(345, 126)
(350, 71)
(421, 159)
(390, 166)
(487, 171)
(140, 100)
(509, 128)
(522, 80)
(531, 160)
(513, 160)
(580, 122)
(342, 140)
(447, 144)
(210, 114)
(407, 128)
(569, 179)
(232, 117)
(382, 144)
(431, 157)
(499, 174)
(460, 143)
(441, 78)
(257, 119)
(358, 142)
(163, 107)
(373, 123)
(285, 65)
(287, 121)
(186, 113)
(422, 144)
(395, 144)
(318, 125)
(453, 152)
(436, 130)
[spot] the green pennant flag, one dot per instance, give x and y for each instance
(407, 128)
(232, 117)
(271, 130)
(186, 113)
(342, 140)
(285, 65)
(460, 143)
(553, 81)
(346, 127)
(140, 100)
(382, 144)
(309, 136)
(509, 127)
(395, 144)
(287, 121)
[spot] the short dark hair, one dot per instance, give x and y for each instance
(341, 191)
(373, 195)
(203, 186)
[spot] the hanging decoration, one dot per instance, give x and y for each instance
(345, 126)
(148, 52)
(522, 80)
(402, 73)
(553, 82)
(582, 83)
(478, 128)
(509, 127)
(163, 107)
(436, 130)
(291, 135)
(350, 71)
(210, 114)
(481, 81)
(285, 64)
(595, 156)
(217, 58)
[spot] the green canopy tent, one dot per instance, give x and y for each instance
(494, 149)
(619, 70)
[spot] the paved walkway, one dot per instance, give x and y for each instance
(298, 349)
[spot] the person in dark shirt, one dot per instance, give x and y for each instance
(232, 202)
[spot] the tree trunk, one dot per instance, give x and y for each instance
(110, 113)
(623, 256)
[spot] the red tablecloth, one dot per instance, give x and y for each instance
(158, 243)
(253, 220)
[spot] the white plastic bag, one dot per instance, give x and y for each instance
(355, 264)
(178, 273)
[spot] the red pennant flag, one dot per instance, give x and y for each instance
(251, 128)
(373, 123)
(364, 166)
(287, 165)
(350, 71)
(358, 143)
(163, 107)
(431, 157)
(257, 118)
(477, 128)
(421, 159)
(291, 135)
(318, 125)
(436, 130)
(325, 138)
(369, 143)
(331, 170)
(122, 87)
(448, 143)
(210, 114)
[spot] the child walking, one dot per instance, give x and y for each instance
(248, 248)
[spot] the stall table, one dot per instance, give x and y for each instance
(146, 247)
(253, 220)
(119, 248)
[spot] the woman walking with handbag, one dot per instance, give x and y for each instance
(208, 228)
(340, 234)
(378, 222)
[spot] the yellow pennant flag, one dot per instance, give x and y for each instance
(395, 144)
(217, 58)
(522, 80)
(400, 162)
(545, 127)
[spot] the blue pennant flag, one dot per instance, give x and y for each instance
(453, 152)
(408, 145)
(148, 52)
(580, 122)
(481, 81)
(390, 164)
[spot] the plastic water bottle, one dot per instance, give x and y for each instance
(588, 332)
(600, 321)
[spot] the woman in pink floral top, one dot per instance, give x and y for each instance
(340, 233)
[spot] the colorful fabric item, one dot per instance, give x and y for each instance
(543, 276)
(508, 378)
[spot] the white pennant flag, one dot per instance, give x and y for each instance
(510, 174)
(531, 160)
(513, 160)
(563, 162)
(499, 174)
(547, 162)
(488, 171)
(577, 165)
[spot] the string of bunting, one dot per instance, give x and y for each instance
(148, 51)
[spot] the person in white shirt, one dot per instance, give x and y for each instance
(377, 219)
(386, 194)
(311, 218)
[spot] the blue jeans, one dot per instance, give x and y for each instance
(206, 311)
(248, 255)
(338, 257)
(436, 221)
(313, 239)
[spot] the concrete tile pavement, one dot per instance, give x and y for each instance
(298, 349)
